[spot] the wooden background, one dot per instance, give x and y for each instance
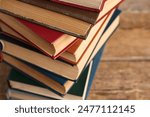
(124, 72)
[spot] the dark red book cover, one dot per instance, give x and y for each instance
(31, 43)
(45, 33)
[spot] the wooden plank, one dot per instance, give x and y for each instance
(122, 80)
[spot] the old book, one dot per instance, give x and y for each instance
(93, 5)
(18, 81)
(5, 29)
(63, 69)
(53, 43)
(45, 78)
(53, 20)
(13, 94)
(75, 52)
(87, 16)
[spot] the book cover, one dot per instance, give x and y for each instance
(48, 34)
(7, 30)
(87, 16)
(95, 5)
(93, 72)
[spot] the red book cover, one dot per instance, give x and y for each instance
(36, 46)
(45, 33)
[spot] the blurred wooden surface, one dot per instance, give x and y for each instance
(137, 6)
(125, 70)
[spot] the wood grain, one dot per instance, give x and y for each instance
(124, 79)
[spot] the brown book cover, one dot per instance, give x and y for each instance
(85, 15)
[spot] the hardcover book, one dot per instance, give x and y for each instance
(6, 30)
(49, 80)
(81, 14)
(94, 5)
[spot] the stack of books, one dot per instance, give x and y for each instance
(54, 46)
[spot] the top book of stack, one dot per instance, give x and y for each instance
(93, 5)
(52, 17)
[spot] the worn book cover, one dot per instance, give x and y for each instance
(87, 16)
(91, 5)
